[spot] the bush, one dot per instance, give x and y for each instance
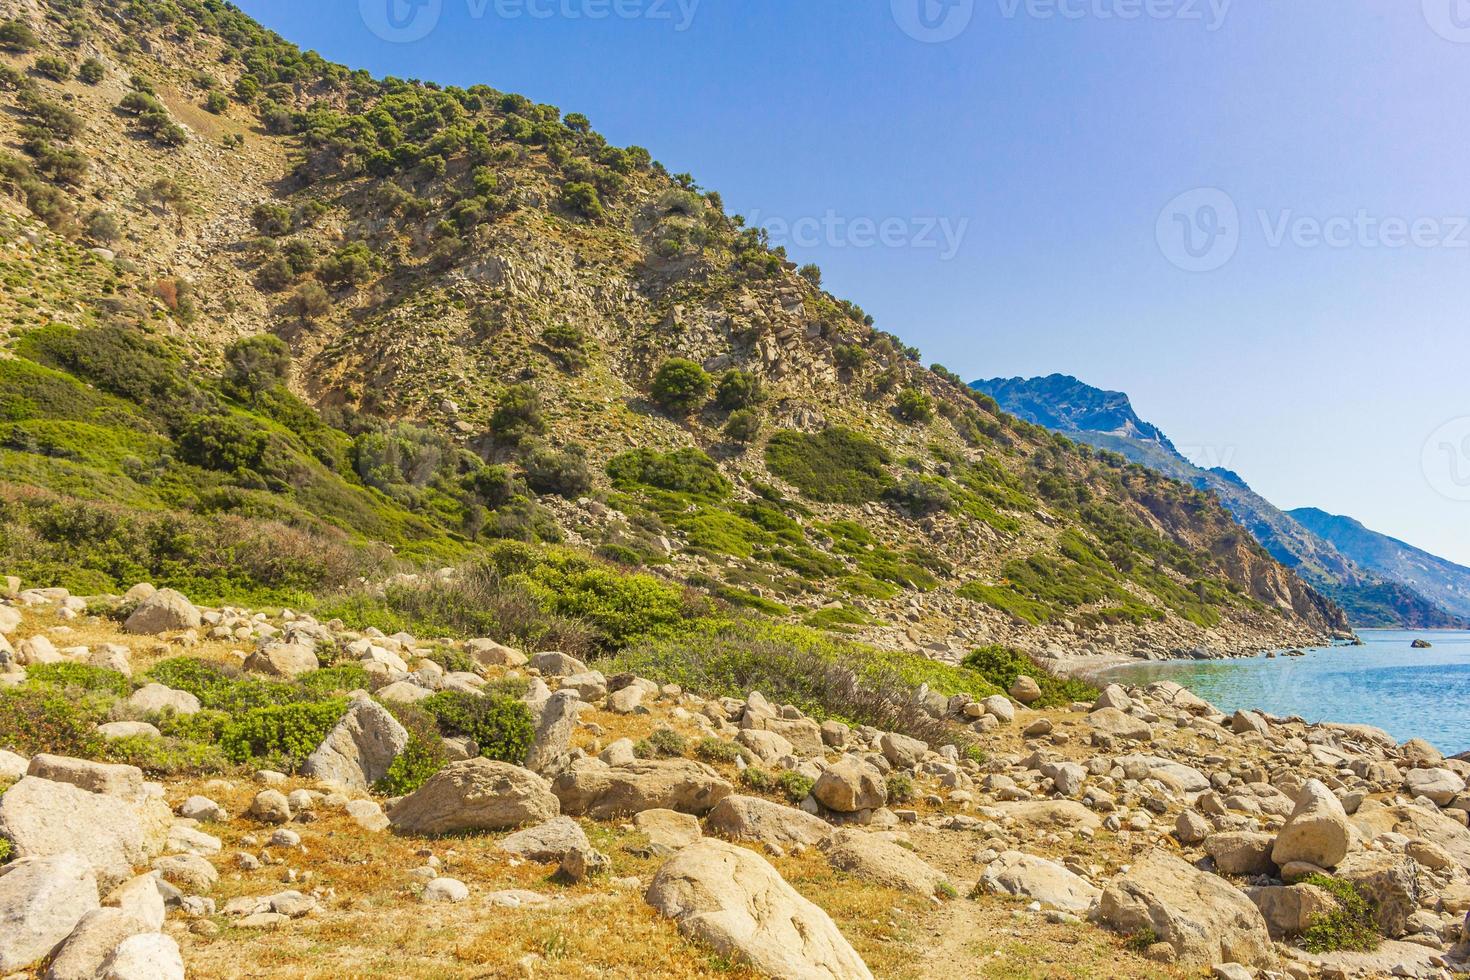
(48, 719)
(743, 426)
(502, 726)
(582, 199)
(919, 497)
(680, 386)
(420, 759)
(81, 677)
(223, 689)
(310, 301)
(517, 418)
(664, 743)
(271, 219)
(901, 789)
(1352, 926)
(738, 389)
(914, 406)
(91, 71)
(17, 35)
(103, 226)
(836, 466)
(52, 67)
(286, 734)
(562, 472)
(1002, 665)
(256, 364)
(216, 102)
(352, 265)
(4, 850)
(686, 471)
(713, 749)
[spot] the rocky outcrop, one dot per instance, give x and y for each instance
(476, 794)
(758, 821)
(878, 859)
(594, 789)
(360, 750)
(41, 901)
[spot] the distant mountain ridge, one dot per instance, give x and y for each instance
(1387, 590)
(1443, 581)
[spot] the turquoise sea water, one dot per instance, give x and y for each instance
(1408, 693)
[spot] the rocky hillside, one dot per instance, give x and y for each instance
(1371, 595)
(336, 327)
(223, 792)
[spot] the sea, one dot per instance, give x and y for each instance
(1386, 683)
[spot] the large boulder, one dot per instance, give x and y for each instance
(163, 612)
(750, 818)
(1393, 882)
(476, 794)
(556, 664)
(1439, 785)
(41, 901)
(360, 749)
(1051, 815)
(546, 843)
(1289, 910)
(850, 785)
(554, 731)
(150, 956)
(99, 933)
(734, 901)
(42, 819)
(594, 789)
(288, 660)
(669, 828)
(1200, 915)
(1374, 819)
(1112, 723)
(156, 698)
(902, 751)
(1037, 879)
(1175, 775)
(1317, 831)
(94, 777)
(1241, 852)
(878, 859)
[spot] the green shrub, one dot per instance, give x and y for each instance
(836, 466)
(1002, 665)
(738, 389)
(48, 719)
(285, 733)
(256, 364)
(502, 726)
(920, 497)
(1351, 927)
(518, 418)
(4, 850)
(340, 679)
(680, 386)
(52, 67)
(562, 472)
(80, 676)
(582, 199)
(743, 426)
(310, 301)
(420, 759)
(685, 471)
(17, 35)
(900, 789)
(225, 689)
(161, 757)
(568, 346)
(794, 785)
(216, 102)
(351, 265)
(713, 749)
(664, 743)
(914, 406)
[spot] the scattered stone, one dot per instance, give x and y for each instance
(446, 890)
(270, 806)
(165, 611)
(1025, 876)
(759, 821)
(150, 956)
(554, 664)
(879, 860)
(554, 731)
(288, 660)
(1239, 852)
(581, 863)
(547, 842)
(1025, 690)
(99, 932)
(368, 815)
(851, 785)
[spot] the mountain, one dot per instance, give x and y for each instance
(1443, 581)
(1372, 596)
(273, 326)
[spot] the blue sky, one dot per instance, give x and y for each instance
(1035, 165)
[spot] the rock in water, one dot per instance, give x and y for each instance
(41, 902)
(476, 794)
(163, 612)
(1205, 919)
(1317, 830)
(733, 900)
(360, 750)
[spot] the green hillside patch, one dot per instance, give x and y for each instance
(835, 466)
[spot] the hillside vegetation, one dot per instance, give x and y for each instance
(274, 327)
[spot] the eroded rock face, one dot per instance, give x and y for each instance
(1037, 879)
(41, 901)
(360, 749)
(1374, 818)
(476, 794)
(594, 789)
(736, 902)
(1201, 916)
(879, 860)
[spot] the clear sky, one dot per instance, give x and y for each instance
(1021, 165)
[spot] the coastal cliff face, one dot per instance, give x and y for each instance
(1372, 593)
(397, 323)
